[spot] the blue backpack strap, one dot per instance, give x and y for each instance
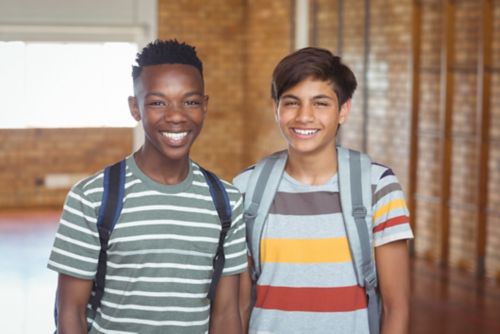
(224, 211)
(356, 199)
(109, 212)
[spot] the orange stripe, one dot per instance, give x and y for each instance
(392, 222)
(326, 250)
(339, 299)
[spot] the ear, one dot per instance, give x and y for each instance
(205, 105)
(275, 109)
(134, 108)
(345, 109)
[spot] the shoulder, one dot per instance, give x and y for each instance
(230, 189)
(240, 181)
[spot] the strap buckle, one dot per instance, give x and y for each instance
(359, 212)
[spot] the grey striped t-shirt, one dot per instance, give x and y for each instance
(160, 253)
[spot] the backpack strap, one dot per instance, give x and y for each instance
(260, 190)
(109, 212)
(356, 200)
(223, 207)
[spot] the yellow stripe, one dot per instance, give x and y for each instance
(392, 205)
(305, 251)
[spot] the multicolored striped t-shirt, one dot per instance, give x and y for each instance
(160, 254)
(307, 282)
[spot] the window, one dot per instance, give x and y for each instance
(55, 85)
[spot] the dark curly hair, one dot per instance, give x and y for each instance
(166, 52)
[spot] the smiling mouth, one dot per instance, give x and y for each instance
(305, 132)
(175, 136)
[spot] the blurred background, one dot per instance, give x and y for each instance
(427, 104)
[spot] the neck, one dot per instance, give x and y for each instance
(161, 169)
(314, 168)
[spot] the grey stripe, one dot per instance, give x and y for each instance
(386, 190)
(307, 203)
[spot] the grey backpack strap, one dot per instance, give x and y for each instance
(356, 200)
(261, 188)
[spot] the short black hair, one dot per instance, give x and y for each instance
(317, 63)
(161, 52)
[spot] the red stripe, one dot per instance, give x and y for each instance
(341, 299)
(392, 222)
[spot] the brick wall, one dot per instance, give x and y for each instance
(28, 156)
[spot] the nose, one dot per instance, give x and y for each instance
(305, 113)
(174, 113)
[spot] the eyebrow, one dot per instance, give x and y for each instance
(189, 94)
(316, 97)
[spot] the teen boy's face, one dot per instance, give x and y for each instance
(169, 100)
(308, 116)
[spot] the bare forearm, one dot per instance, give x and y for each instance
(72, 323)
(226, 324)
(396, 320)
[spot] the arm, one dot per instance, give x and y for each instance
(246, 296)
(225, 317)
(73, 296)
(394, 281)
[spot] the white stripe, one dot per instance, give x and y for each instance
(93, 190)
(156, 294)
(235, 268)
(107, 331)
(162, 236)
(158, 265)
(393, 237)
(157, 280)
(241, 227)
(74, 256)
(71, 269)
(169, 207)
(155, 323)
(159, 251)
(157, 308)
(79, 213)
(97, 177)
(167, 222)
(238, 254)
(157, 193)
(238, 203)
(82, 200)
(78, 228)
(77, 242)
(131, 183)
(200, 184)
(235, 242)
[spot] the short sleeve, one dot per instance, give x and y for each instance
(235, 244)
(391, 219)
(76, 245)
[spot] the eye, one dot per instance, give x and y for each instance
(290, 103)
(322, 103)
(156, 103)
(192, 103)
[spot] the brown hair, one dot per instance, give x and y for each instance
(316, 63)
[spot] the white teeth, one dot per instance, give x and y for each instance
(305, 132)
(175, 135)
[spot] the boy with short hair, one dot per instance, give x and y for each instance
(160, 253)
(307, 281)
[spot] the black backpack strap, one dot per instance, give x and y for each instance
(109, 212)
(223, 207)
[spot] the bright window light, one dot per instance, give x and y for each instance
(54, 85)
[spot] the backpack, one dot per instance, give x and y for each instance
(109, 212)
(356, 201)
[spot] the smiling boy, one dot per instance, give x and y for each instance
(307, 280)
(160, 253)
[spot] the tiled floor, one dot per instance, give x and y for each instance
(443, 301)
